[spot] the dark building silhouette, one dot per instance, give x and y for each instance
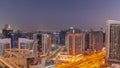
(61, 37)
(6, 31)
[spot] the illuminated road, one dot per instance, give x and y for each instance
(92, 61)
(55, 53)
(51, 66)
(6, 62)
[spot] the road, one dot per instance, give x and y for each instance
(91, 61)
(6, 62)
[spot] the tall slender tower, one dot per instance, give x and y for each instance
(46, 43)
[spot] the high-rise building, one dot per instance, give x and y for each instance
(61, 38)
(113, 40)
(39, 47)
(96, 40)
(73, 43)
(44, 43)
(7, 29)
(84, 41)
(55, 36)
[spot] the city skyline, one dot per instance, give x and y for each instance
(55, 15)
(59, 34)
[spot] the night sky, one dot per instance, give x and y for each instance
(57, 14)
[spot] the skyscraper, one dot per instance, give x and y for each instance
(73, 42)
(46, 43)
(113, 40)
(39, 47)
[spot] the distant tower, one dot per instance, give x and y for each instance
(113, 40)
(7, 29)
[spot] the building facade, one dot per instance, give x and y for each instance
(96, 40)
(44, 43)
(61, 38)
(113, 40)
(84, 41)
(73, 43)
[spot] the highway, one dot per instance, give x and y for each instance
(55, 53)
(6, 62)
(92, 61)
(51, 66)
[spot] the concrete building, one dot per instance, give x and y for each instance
(44, 42)
(4, 44)
(113, 40)
(73, 43)
(84, 41)
(96, 40)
